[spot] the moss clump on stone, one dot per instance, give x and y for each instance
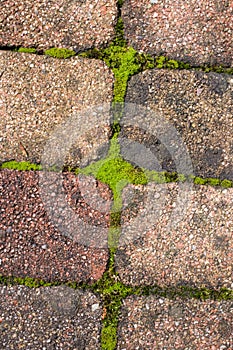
(27, 50)
(59, 53)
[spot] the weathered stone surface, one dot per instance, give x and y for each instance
(176, 236)
(195, 32)
(47, 101)
(49, 229)
(42, 24)
(159, 323)
(198, 105)
(49, 318)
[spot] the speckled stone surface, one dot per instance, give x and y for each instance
(38, 94)
(159, 323)
(49, 236)
(196, 32)
(175, 236)
(198, 105)
(49, 318)
(42, 24)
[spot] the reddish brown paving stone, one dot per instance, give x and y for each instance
(40, 93)
(159, 323)
(198, 105)
(49, 318)
(160, 246)
(194, 32)
(36, 244)
(43, 24)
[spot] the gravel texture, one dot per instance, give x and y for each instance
(176, 236)
(198, 105)
(39, 94)
(74, 24)
(49, 318)
(196, 32)
(152, 323)
(39, 239)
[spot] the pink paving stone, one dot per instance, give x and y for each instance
(159, 323)
(196, 106)
(39, 94)
(176, 236)
(197, 32)
(42, 24)
(58, 237)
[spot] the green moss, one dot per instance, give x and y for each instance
(213, 182)
(117, 173)
(114, 236)
(59, 53)
(124, 62)
(119, 38)
(215, 69)
(26, 281)
(226, 183)
(109, 337)
(114, 170)
(14, 165)
(165, 62)
(200, 181)
(27, 50)
(115, 219)
(112, 293)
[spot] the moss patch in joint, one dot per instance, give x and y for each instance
(226, 183)
(124, 62)
(26, 281)
(112, 292)
(22, 166)
(27, 50)
(60, 53)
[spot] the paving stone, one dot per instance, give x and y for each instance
(195, 32)
(49, 228)
(49, 318)
(42, 24)
(159, 323)
(63, 104)
(173, 235)
(198, 105)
